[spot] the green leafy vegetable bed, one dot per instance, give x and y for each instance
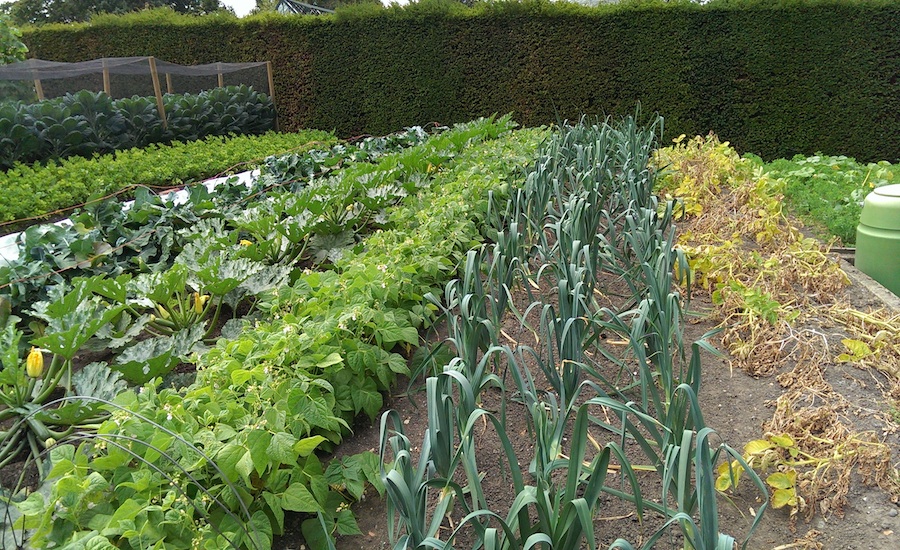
(34, 190)
(827, 191)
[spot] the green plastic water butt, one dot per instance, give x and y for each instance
(878, 237)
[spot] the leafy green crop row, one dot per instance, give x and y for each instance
(106, 238)
(148, 283)
(235, 451)
(29, 191)
(87, 123)
(827, 191)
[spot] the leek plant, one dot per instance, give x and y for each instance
(472, 330)
(586, 207)
(474, 306)
(507, 267)
(576, 235)
(565, 327)
(553, 511)
(633, 147)
(467, 307)
(447, 414)
(414, 485)
(548, 509)
(562, 360)
(687, 469)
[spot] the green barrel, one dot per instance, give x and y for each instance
(878, 237)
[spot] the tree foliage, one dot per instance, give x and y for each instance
(777, 81)
(333, 4)
(11, 47)
(12, 50)
(39, 12)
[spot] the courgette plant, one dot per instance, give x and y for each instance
(28, 387)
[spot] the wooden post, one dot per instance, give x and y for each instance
(169, 88)
(272, 91)
(159, 101)
(271, 81)
(106, 86)
(39, 89)
(221, 78)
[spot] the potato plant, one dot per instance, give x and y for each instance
(767, 281)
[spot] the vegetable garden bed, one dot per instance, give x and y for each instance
(815, 418)
(820, 433)
(334, 270)
(565, 406)
(36, 192)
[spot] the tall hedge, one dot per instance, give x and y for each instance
(774, 78)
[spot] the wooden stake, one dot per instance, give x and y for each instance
(169, 88)
(156, 89)
(272, 91)
(221, 78)
(271, 81)
(39, 89)
(106, 86)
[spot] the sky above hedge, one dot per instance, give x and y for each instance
(243, 7)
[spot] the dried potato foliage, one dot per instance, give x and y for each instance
(879, 331)
(758, 268)
(874, 344)
(806, 542)
(768, 281)
(806, 378)
(829, 451)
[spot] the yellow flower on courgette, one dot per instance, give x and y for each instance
(245, 242)
(162, 311)
(199, 302)
(34, 364)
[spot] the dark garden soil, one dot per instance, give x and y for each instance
(740, 407)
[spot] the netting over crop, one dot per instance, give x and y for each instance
(129, 76)
(105, 105)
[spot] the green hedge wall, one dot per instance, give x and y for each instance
(773, 79)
